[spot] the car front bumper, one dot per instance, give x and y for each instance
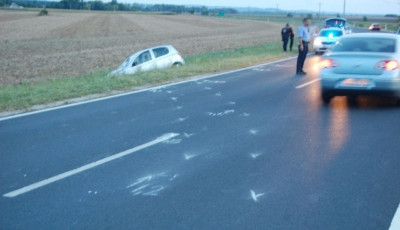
(322, 48)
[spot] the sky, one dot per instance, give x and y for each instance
(353, 6)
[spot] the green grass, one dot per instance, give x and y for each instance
(26, 95)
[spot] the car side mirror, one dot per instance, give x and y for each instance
(134, 64)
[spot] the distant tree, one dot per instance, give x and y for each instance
(1, 3)
(290, 15)
(192, 10)
(97, 5)
(365, 19)
(204, 11)
(338, 15)
(309, 16)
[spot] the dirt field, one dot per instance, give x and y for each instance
(67, 44)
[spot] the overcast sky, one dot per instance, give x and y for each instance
(353, 6)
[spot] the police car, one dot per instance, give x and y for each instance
(326, 39)
(338, 23)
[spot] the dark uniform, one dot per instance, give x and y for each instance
(287, 34)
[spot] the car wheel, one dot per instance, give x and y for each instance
(326, 97)
(398, 102)
(178, 64)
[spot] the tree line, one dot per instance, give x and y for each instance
(116, 6)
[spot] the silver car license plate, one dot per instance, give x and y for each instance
(359, 83)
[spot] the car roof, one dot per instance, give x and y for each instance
(155, 47)
(373, 35)
(343, 19)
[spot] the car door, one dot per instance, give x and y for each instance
(162, 57)
(142, 63)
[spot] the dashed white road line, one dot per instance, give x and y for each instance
(89, 166)
(395, 225)
(308, 83)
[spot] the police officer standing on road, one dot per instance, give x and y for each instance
(287, 33)
(303, 33)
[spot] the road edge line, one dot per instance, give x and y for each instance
(192, 79)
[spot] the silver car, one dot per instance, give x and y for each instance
(362, 64)
(154, 58)
(326, 39)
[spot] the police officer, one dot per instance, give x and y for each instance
(303, 33)
(287, 33)
(291, 39)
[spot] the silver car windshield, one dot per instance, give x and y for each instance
(379, 45)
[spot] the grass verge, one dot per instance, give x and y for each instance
(26, 95)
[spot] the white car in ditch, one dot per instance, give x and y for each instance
(154, 58)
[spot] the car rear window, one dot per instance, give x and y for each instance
(331, 33)
(159, 52)
(335, 23)
(380, 45)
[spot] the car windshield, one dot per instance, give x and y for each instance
(367, 44)
(335, 23)
(331, 33)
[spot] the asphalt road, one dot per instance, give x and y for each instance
(252, 149)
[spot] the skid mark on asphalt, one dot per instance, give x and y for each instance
(232, 103)
(255, 196)
(151, 185)
(220, 114)
(173, 141)
(174, 99)
(253, 131)
(218, 94)
(261, 69)
(181, 119)
(283, 66)
(156, 90)
(207, 88)
(190, 156)
(245, 114)
(89, 166)
(188, 135)
(255, 155)
(214, 82)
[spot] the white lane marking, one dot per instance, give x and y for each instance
(64, 175)
(308, 83)
(193, 79)
(395, 225)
